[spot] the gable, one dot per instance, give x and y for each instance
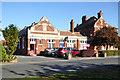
(44, 25)
(101, 22)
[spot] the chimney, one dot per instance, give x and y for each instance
(84, 18)
(100, 14)
(72, 26)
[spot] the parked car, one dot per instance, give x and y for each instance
(50, 51)
(62, 52)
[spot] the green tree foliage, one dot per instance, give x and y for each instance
(105, 36)
(4, 55)
(11, 36)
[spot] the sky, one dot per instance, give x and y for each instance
(58, 13)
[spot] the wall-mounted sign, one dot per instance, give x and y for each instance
(86, 45)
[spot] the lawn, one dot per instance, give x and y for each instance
(0, 52)
(110, 73)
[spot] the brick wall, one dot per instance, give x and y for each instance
(39, 28)
(87, 31)
(50, 28)
(57, 43)
(23, 51)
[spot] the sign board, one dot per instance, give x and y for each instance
(61, 44)
(86, 45)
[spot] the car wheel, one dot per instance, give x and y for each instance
(65, 55)
(53, 54)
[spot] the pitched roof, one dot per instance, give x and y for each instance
(89, 23)
(68, 33)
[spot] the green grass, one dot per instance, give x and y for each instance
(0, 52)
(88, 74)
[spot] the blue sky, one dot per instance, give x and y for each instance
(59, 13)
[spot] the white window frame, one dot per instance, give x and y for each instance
(81, 44)
(112, 48)
(70, 43)
(51, 43)
(103, 47)
(23, 43)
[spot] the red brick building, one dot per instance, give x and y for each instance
(91, 25)
(43, 35)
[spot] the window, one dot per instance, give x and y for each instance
(19, 43)
(70, 43)
(23, 43)
(51, 43)
(61, 43)
(112, 48)
(80, 41)
(40, 41)
(103, 47)
(83, 42)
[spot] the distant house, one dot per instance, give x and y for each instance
(89, 26)
(43, 35)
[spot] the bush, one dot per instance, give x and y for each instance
(87, 53)
(5, 56)
(112, 52)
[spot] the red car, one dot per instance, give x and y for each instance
(61, 52)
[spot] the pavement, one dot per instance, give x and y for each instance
(41, 65)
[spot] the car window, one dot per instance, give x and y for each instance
(68, 48)
(71, 48)
(56, 48)
(60, 49)
(65, 49)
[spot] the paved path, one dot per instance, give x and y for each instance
(40, 65)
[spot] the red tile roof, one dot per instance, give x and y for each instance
(68, 33)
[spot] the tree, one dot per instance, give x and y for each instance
(11, 36)
(105, 36)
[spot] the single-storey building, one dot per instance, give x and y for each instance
(43, 35)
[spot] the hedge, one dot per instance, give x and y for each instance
(112, 52)
(87, 53)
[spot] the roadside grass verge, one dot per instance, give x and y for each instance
(109, 73)
(0, 52)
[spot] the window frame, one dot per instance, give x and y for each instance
(23, 43)
(19, 43)
(40, 41)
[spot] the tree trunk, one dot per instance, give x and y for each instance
(107, 47)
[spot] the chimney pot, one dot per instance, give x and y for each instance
(72, 25)
(100, 14)
(84, 18)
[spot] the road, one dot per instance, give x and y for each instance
(40, 65)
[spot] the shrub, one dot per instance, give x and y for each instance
(112, 52)
(87, 53)
(5, 56)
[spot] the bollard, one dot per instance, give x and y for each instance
(69, 56)
(96, 55)
(105, 55)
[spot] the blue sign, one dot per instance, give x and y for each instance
(61, 44)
